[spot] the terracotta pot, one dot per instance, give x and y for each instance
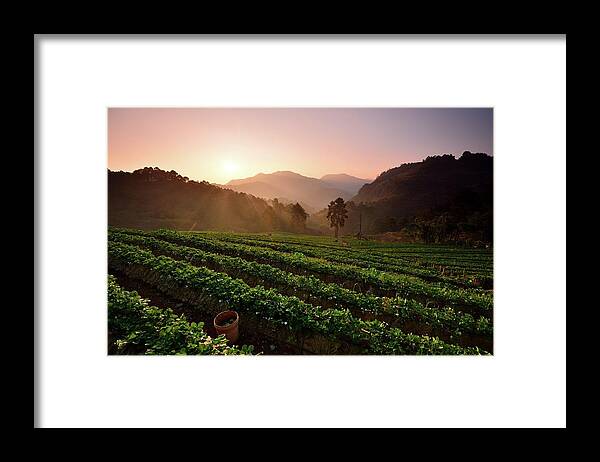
(230, 331)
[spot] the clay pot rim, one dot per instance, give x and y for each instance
(222, 314)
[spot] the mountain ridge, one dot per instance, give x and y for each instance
(316, 193)
(440, 199)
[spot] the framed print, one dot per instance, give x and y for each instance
(298, 232)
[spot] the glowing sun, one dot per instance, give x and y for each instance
(230, 167)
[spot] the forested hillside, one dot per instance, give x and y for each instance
(152, 198)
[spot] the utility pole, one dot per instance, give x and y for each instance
(360, 225)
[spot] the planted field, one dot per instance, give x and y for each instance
(295, 294)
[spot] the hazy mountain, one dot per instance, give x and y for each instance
(345, 182)
(313, 192)
(257, 188)
(441, 199)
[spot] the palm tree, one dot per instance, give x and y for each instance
(337, 214)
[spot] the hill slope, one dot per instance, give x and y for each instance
(151, 198)
(432, 182)
(439, 199)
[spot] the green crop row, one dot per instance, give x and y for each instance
(397, 250)
(476, 263)
(398, 285)
(159, 331)
(310, 287)
(424, 256)
(353, 257)
(374, 336)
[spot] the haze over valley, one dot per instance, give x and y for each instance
(312, 193)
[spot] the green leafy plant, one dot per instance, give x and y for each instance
(158, 331)
(188, 282)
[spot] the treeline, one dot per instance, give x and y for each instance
(456, 223)
(285, 217)
(467, 218)
(151, 198)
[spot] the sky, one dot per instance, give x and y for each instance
(218, 145)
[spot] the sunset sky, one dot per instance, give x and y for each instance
(218, 145)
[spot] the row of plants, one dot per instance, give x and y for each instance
(159, 331)
(360, 244)
(365, 278)
(436, 260)
(374, 336)
(399, 250)
(312, 288)
(428, 257)
(458, 262)
(359, 258)
(433, 255)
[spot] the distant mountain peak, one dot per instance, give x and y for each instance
(337, 175)
(312, 192)
(344, 182)
(286, 173)
(261, 176)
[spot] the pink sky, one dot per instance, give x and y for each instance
(218, 145)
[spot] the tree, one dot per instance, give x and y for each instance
(337, 214)
(425, 229)
(299, 216)
(278, 206)
(269, 219)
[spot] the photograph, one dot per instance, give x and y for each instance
(300, 231)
